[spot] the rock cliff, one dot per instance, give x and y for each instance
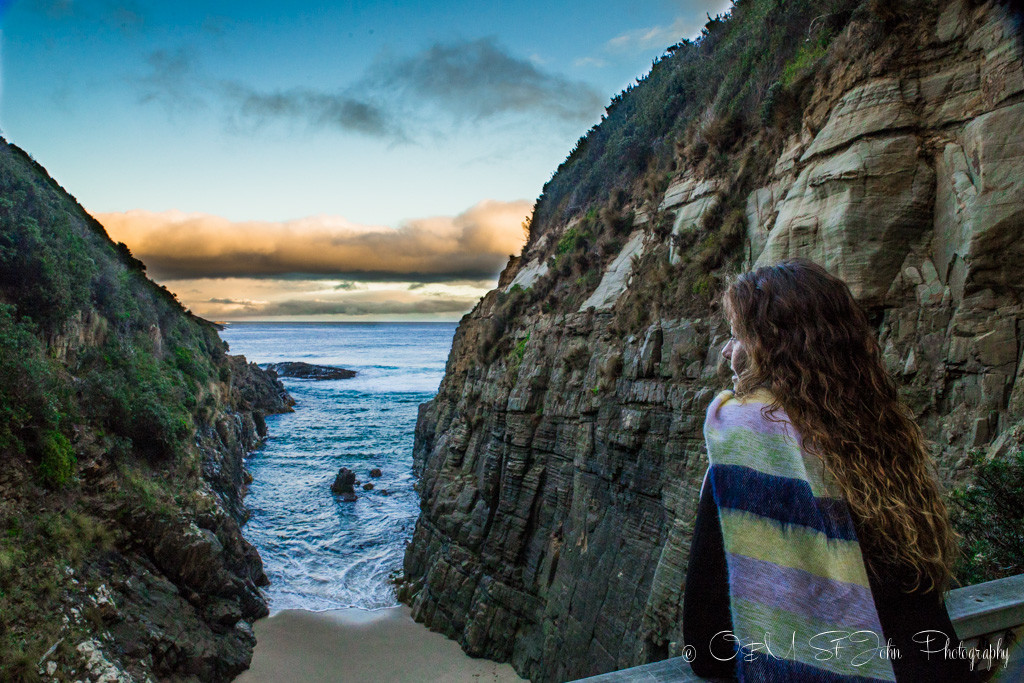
(123, 429)
(559, 464)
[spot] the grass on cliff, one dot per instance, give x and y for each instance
(38, 553)
(698, 101)
(147, 365)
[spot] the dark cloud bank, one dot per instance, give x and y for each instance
(466, 80)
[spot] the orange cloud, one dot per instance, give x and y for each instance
(175, 245)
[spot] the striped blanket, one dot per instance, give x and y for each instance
(802, 608)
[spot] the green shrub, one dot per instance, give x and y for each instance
(571, 241)
(29, 399)
(57, 466)
(804, 59)
(186, 361)
(701, 286)
(157, 428)
(589, 280)
(520, 349)
(989, 516)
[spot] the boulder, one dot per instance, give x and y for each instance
(344, 484)
(375, 472)
(977, 209)
(528, 274)
(874, 107)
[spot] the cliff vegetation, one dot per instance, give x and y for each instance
(123, 424)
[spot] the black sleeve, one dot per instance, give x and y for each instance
(706, 596)
(905, 617)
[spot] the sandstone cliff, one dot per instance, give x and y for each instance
(560, 462)
(123, 429)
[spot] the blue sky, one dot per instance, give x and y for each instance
(318, 123)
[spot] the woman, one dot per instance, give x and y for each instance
(822, 545)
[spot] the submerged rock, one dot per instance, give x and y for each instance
(367, 486)
(309, 371)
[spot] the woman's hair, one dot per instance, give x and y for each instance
(809, 343)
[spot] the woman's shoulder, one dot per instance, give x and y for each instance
(755, 417)
(728, 407)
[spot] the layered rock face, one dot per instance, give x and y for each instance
(559, 480)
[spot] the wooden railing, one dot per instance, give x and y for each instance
(987, 616)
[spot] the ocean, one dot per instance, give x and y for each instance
(319, 552)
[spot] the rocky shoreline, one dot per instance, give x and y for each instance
(176, 598)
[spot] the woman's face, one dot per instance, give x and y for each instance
(736, 355)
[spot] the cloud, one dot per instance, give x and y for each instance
(479, 79)
(589, 61)
(444, 85)
(352, 307)
(654, 37)
(241, 298)
(233, 302)
(475, 244)
(171, 81)
(318, 109)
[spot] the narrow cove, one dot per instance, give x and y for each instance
(334, 614)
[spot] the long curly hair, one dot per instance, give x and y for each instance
(810, 344)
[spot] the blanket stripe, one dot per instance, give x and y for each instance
(775, 457)
(742, 488)
(799, 593)
(837, 650)
(791, 546)
(826, 599)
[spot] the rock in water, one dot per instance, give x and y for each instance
(344, 484)
(367, 486)
(309, 371)
(375, 472)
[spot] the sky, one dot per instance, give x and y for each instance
(319, 160)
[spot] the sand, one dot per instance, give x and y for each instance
(355, 645)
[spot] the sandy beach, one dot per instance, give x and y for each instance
(354, 645)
